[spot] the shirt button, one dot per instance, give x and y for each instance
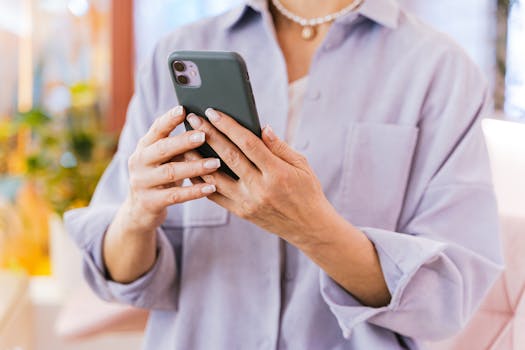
(347, 333)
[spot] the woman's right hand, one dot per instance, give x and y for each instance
(156, 172)
(157, 169)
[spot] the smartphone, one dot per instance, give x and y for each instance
(216, 79)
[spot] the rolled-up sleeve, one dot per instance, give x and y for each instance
(153, 290)
(445, 253)
(157, 288)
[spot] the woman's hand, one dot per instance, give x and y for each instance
(278, 191)
(156, 171)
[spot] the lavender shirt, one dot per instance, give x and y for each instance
(391, 126)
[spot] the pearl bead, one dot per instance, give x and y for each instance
(308, 33)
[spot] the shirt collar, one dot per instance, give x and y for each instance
(384, 12)
(236, 15)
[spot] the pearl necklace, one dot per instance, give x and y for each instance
(308, 32)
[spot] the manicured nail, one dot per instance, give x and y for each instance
(177, 111)
(194, 121)
(212, 164)
(212, 114)
(269, 132)
(197, 137)
(208, 189)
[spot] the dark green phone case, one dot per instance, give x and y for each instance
(225, 86)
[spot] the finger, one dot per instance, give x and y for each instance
(177, 171)
(247, 142)
(165, 149)
(163, 126)
(223, 201)
(229, 153)
(280, 148)
(223, 183)
(176, 195)
(192, 155)
(196, 180)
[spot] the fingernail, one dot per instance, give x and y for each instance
(212, 164)
(197, 137)
(177, 111)
(212, 114)
(208, 189)
(269, 132)
(194, 121)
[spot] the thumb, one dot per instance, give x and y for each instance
(278, 147)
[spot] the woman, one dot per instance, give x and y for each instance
(373, 227)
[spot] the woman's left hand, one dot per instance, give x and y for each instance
(277, 190)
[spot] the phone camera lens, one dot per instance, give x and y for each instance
(179, 66)
(182, 79)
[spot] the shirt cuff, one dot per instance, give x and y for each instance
(400, 256)
(153, 290)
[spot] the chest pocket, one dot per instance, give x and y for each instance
(197, 213)
(376, 169)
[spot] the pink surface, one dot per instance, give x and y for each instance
(84, 315)
(500, 322)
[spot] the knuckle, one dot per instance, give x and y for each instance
(264, 198)
(248, 210)
(160, 149)
(196, 192)
(170, 172)
(280, 179)
(195, 167)
(174, 197)
(249, 143)
(232, 157)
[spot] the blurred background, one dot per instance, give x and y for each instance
(67, 70)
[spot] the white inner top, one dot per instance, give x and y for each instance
(296, 91)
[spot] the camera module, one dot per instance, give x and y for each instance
(182, 79)
(179, 66)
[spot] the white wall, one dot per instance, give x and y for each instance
(472, 23)
(515, 94)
